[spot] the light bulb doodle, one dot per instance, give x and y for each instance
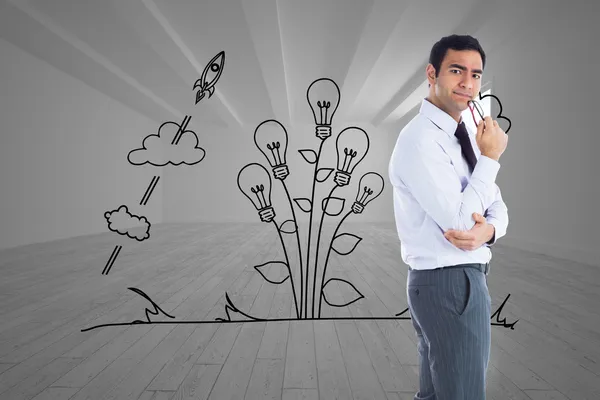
(271, 138)
(352, 145)
(370, 187)
(255, 183)
(211, 74)
(323, 95)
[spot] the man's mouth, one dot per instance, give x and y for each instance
(463, 95)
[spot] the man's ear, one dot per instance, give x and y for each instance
(431, 73)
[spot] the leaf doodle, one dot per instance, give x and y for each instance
(273, 270)
(233, 308)
(309, 155)
(304, 204)
(499, 112)
(403, 312)
(156, 308)
(323, 174)
(333, 206)
(345, 243)
(288, 226)
(503, 322)
(346, 287)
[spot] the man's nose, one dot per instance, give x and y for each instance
(467, 82)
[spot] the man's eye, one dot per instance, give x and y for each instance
(477, 76)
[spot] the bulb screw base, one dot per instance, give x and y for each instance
(357, 208)
(341, 178)
(281, 171)
(323, 131)
(267, 214)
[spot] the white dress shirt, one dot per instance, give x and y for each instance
(433, 191)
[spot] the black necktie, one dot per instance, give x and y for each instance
(465, 145)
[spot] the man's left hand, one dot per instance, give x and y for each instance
(474, 238)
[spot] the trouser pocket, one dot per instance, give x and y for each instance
(461, 292)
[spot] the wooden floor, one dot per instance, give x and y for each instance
(49, 292)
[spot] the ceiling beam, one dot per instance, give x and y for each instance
(222, 106)
(55, 29)
(470, 24)
(262, 17)
(383, 19)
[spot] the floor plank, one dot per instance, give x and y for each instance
(51, 291)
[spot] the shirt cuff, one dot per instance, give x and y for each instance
(493, 239)
(486, 169)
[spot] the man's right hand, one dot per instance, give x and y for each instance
(492, 140)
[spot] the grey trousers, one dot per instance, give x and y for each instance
(451, 311)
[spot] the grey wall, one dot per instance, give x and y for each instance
(63, 154)
(544, 73)
(63, 149)
(63, 162)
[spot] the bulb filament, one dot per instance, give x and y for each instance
(274, 147)
(323, 107)
(366, 193)
(259, 192)
(348, 156)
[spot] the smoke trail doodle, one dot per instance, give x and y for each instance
(149, 191)
(111, 260)
(157, 152)
(121, 221)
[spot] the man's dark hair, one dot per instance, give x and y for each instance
(454, 42)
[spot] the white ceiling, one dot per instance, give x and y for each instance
(148, 54)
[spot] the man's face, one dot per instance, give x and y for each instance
(458, 81)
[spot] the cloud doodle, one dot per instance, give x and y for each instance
(503, 125)
(173, 144)
(123, 222)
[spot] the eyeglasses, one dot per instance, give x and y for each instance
(475, 105)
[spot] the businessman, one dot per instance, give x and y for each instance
(449, 211)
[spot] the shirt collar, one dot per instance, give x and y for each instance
(439, 117)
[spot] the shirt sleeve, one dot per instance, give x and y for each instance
(497, 215)
(427, 171)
